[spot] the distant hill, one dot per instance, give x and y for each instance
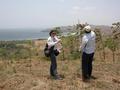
(104, 29)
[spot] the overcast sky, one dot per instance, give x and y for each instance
(49, 13)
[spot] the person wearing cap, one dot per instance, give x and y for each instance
(52, 42)
(87, 48)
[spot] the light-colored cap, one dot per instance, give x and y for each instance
(87, 28)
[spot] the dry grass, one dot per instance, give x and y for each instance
(37, 78)
(34, 75)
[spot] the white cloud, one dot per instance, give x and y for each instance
(62, 0)
(76, 10)
(89, 8)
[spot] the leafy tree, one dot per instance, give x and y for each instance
(99, 42)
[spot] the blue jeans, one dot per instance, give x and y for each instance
(53, 67)
(87, 65)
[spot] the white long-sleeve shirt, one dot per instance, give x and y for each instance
(88, 43)
(52, 41)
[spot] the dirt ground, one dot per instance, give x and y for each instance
(34, 74)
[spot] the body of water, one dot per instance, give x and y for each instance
(9, 35)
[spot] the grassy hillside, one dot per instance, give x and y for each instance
(23, 65)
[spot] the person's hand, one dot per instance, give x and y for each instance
(79, 50)
(59, 40)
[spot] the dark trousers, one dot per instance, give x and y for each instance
(87, 65)
(53, 67)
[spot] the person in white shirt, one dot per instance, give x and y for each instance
(88, 49)
(54, 51)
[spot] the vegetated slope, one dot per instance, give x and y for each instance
(34, 74)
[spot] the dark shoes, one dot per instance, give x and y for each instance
(93, 77)
(88, 79)
(85, 79)
(57, 77)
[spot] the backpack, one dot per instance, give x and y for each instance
(46, 51)
(56, 52)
